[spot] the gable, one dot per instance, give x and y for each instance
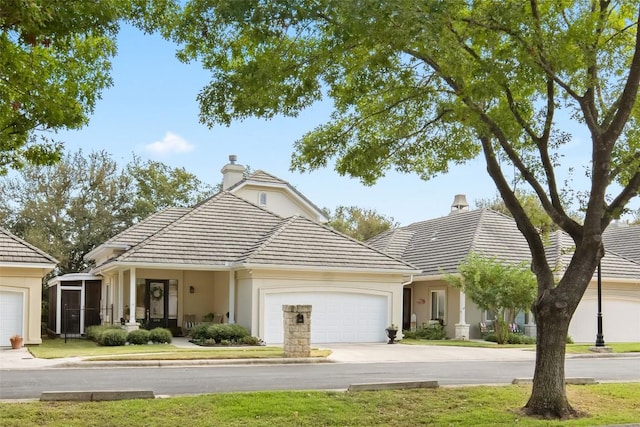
(15, 252)
(277, 195)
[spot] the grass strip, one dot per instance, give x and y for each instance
(604, 404)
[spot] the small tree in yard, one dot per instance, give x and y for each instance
(421, 86)
(504, 289)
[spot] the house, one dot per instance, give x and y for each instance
(242, 254)
(439, 245)
(22, 268)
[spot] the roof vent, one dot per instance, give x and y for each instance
(459, 203)
(233, 159)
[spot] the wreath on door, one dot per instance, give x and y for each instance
(157, 293)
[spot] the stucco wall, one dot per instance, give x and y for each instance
(27, 281)
(278, 201)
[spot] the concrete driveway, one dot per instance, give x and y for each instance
(401, 353)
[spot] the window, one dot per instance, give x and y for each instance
(437, 305)
(262, 198)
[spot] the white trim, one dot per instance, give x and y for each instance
(17, 264)
(73, 276)
(242, 266)
(92, 254)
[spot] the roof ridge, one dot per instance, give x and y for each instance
(29, 245)
(269, 237)
(482, 215)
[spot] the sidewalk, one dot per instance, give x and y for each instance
(341, 353)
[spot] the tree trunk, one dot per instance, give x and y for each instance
(548, 396)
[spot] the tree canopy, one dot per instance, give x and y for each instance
(361, 224)
(420, 86)
(55, 61)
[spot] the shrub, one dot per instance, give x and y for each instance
(569, 339)
(139, 336)
(160, 335)
(249, 340)
(225, 342)
(512, 338)
(94, 332)
(226, 332)
(113, 337)
(432, 332)
(199, 332)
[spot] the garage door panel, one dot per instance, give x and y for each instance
(11, 315)
(620, 321)
(335, 317)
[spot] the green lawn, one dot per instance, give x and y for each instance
(57, 348)
(571, 348)
(605, 404)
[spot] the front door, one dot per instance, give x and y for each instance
(157, 302)
(70, 301)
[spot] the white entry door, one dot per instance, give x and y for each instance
(335, 316)
(11, 316)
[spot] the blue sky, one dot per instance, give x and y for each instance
(152, 111)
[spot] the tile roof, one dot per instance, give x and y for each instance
(560, 250)
(15, 250)
(302, 242)
(437, 246)
(623, 240)
(147, 227)
(227, 229)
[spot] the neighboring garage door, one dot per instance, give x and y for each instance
(620, 321)
(11, 316)
(335, 316)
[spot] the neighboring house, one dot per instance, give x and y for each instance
(237, 259)
(438, 246)
(22, 268)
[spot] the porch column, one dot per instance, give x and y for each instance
(132, 301)
(462, 328)
(120, 305)
(232, 297)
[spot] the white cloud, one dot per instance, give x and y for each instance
(171, 143)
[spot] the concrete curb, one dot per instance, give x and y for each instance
(95, 396)
(392, 385)
(187, 363)
(568, 380)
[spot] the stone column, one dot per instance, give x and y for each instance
(297, 330)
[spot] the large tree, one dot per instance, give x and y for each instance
(54, 63)
(420, 85)
(69, 208)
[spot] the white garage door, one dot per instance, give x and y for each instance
(11, 316)
(620, 321)
(335, 317)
